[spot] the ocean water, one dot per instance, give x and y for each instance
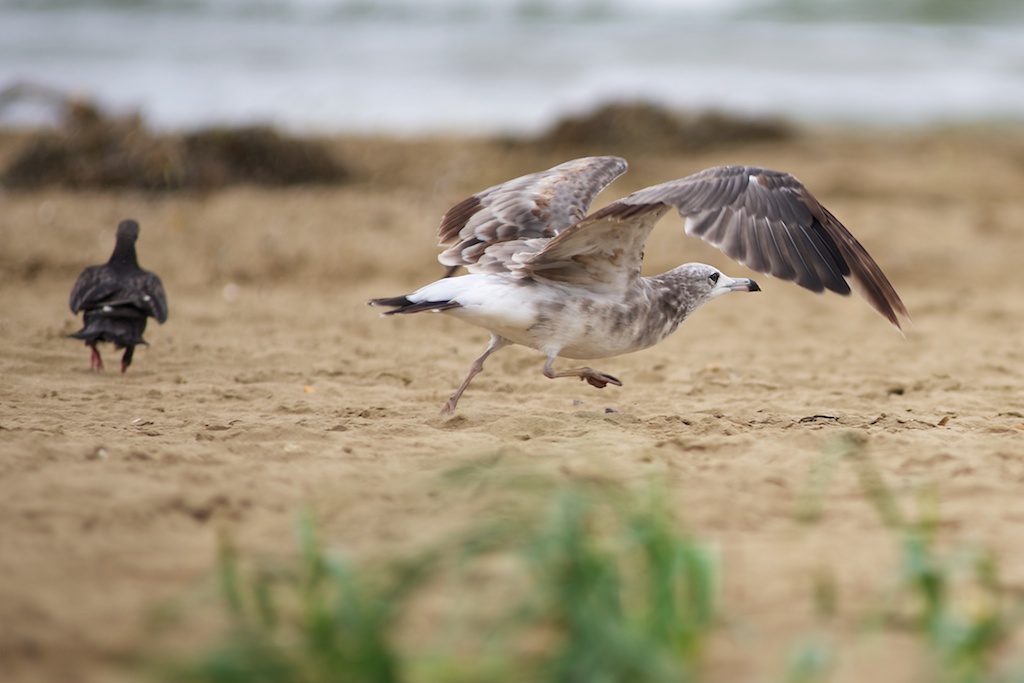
(515, 66)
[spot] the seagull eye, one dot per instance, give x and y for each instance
(713, 278)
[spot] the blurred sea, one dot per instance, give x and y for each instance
(514, 66)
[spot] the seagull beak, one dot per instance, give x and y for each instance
(742, 284)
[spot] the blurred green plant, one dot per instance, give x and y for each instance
(615, 592)
(580, 581)
(635, 604)
(307, 621)
(953, 599)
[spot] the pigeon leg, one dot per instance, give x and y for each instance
(126, 359)
(474, 370)
(95, 362)
(589, 375)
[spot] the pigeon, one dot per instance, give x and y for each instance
(117, 298)
(544, 274)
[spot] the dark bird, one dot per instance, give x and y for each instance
(544, 274)
(117, 298)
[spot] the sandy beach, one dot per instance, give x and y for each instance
(273, 389)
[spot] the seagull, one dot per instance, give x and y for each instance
(544, 274)
(117, 298)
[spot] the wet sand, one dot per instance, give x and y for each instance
(273, 389)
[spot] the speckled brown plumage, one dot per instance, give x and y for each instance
(545, 275)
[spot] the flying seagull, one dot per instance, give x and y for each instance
(544, 274)
(117, 298)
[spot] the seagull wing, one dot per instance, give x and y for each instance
(486, 231)
(768, 221)
(604, 252)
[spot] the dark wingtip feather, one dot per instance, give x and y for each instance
(865, 274)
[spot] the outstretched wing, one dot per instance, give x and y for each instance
(603, 252)
(486, 231)
(769, 222)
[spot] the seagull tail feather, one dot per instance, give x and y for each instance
(402, 304)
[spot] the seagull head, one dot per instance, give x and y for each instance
(703, 282)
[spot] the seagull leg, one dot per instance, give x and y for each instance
(95, 362)
(474, 370)
(591, 376)
(126, 359)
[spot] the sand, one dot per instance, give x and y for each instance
(274, 389)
